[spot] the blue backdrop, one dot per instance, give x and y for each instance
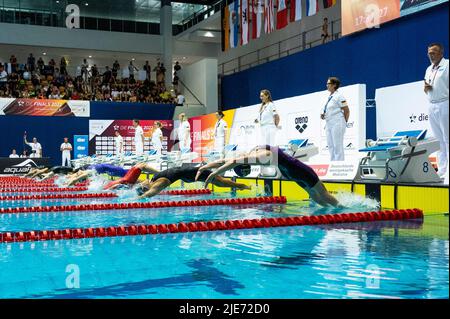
(50, 131)
(393, 54)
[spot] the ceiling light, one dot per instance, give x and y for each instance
(90, 56)
(209, 34)
(86, 4)
(44, 53)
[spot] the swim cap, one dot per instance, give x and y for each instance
(242, 170)
(141, 190)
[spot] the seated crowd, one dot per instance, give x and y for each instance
(46, 81)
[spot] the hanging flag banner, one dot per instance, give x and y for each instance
(328, 3)
(312, 7)
(244, 17)
(296, 10)
(234, 21)
(268, 16)
(257, 11)
(282, 14)
(225, 28)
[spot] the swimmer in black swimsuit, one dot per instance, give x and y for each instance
(165, 178)
(290, 167)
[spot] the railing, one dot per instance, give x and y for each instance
(282, 48)
(201, 15)
(192, 93)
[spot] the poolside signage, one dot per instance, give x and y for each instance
(13, 166)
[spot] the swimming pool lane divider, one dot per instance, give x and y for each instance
(133, 230)
(97, 195)
(85, 207)
(44, 190)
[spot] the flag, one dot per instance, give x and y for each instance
(244, 15)
(268, 16)
(312, 7)
(225, 13)
(234, 22)
(328, 3)
(257, 10)
(282, 14)
(296, 10)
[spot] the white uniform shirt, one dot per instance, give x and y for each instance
(437, 77)
(13, 156)
(66, 145)
(37, 148)
(119, 144)
(220, 129)
(183, 130)
(138, 136)
(266, 116)
(156, 138)
(332, 109)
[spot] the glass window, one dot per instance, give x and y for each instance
(116, 25)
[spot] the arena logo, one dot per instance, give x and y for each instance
(421, 118)
(20, 168)
(81, 148)
(73, 17)
(81, 140)
(301, 123)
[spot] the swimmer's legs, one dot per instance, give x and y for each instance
(156, 187)
(321, 196)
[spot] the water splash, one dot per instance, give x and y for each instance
(356, 201)
(60, 181)
(96, 183)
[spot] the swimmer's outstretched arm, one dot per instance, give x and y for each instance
(47, 176)
(147, 168)
(156, 187)
(80, 176)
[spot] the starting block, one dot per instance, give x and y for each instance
(403, 157)
(300, 149)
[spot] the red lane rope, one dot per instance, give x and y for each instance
(134, 230)
(43, 189)
(209, 202)
(57, 196)
(187, 192)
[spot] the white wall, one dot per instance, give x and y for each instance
(201, 78)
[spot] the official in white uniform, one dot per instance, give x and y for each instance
(184, 133)
(36, 148)
(268, 119)
(14, 154)
(138, 138)
(66, 148)
(118, 140)
(220, 131)
(336, 114)
(157, 138)
(436, 88)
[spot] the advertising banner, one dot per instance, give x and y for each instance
(81, 146)
(34, 107)
(102, 133)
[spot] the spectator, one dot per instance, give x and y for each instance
(94, 71)
(115, 68)
(325, 34)
(132, 68)
(74, 95)
(13, 62)
(177, 66)
(180, 99)
(84, 70)
(40, 65)
(52, 65)
(13, 154)
(148, 69)
(107, 75)
(24, 154)
(3, 78)
(55, 94)
(63, 66)
(31, 63)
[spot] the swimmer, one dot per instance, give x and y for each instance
(58, 170)
(35, 172)
(90, 170)
(165, 178)
(290, 167)
(132, 176)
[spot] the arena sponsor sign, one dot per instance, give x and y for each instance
(81, 146)
(35, 107)
(102, 135)
(336, 170)
(13, 166)
(410, 112)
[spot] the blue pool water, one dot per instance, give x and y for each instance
(395, 259)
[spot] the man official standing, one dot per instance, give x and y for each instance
(66, 148)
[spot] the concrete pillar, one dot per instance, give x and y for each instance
(166, 38)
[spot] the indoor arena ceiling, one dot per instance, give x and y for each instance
(131, 10)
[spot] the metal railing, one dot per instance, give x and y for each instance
(297, 43)
(192, 93)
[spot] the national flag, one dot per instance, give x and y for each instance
(225, 13)
(234, 22)
(268, 16)
(312, 7)
(244, 17)
(328, 3)
(296, 10)
(257, 10)
(282, 14)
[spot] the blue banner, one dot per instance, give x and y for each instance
(81, 146)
